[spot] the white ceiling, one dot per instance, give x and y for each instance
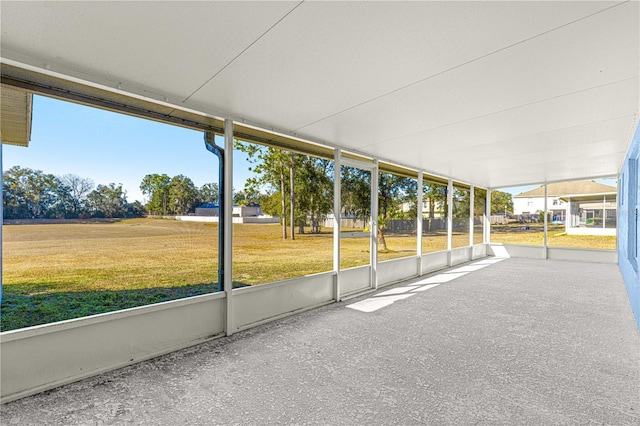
(489, 93)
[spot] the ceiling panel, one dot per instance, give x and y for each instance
(333, 57)
(162, 49)
(544, 68)
(479, 91)
(599, 105)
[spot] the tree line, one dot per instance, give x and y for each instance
(297, 188)
(33, 194)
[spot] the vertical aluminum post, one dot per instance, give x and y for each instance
(374, 225)
(228, 224)
(337, 208)
(604, 211)
(449, 221)
(546, 254)
(1, 214)
(472, 200)
(420, 206)
(487, 219)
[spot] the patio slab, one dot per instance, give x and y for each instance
(513, 341)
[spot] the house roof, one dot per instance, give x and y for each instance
(15, 113)
(578, 187)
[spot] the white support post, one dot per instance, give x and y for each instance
(472, 196)
(449, 221)
(228, 224)
(604, 211)
(420, 207)
(546, 187)
(374, 225)
(337, 208)
(1, 213)
(487, 219)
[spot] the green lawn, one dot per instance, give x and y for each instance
(556, 237)
(54, 272)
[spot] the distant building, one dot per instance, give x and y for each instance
(211, 209)
(249, 210)
(584, 207)
(208, 209)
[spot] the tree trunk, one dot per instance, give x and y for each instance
(382, 243)
(432, 213)
(292, 197)
(284, 203)
(164, 204)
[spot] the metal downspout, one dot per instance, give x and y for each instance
(209, 142)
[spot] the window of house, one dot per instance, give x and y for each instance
(632, 213)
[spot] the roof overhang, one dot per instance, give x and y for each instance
(590, 197)
(16, 113)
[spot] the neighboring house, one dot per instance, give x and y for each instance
(439, 211)
(210, 209)
(210, 212)
(585, 207)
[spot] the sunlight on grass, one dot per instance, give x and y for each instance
(556, 237)
(60, 271)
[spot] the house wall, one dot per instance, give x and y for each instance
(207, 211)
(533, 205)
(629, 224)
(246, 211)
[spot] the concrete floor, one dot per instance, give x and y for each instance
(510, 342)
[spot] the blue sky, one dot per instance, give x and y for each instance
(68, 138)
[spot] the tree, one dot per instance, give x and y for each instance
(356, 192)
(501, 202)
(479, 201)
(31, 194)
(108, 201)
(436, 195)
(249, 195)
(183, 195)
(292, 196)
(78, 189)
(210, 193)
(393, 192)
(157, 188)
(135, 209)
(314, 189)
(280, 166)
(382, 242)
(461, 202)
(270, 167)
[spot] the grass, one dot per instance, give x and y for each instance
(55, 272)
(556, 237)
